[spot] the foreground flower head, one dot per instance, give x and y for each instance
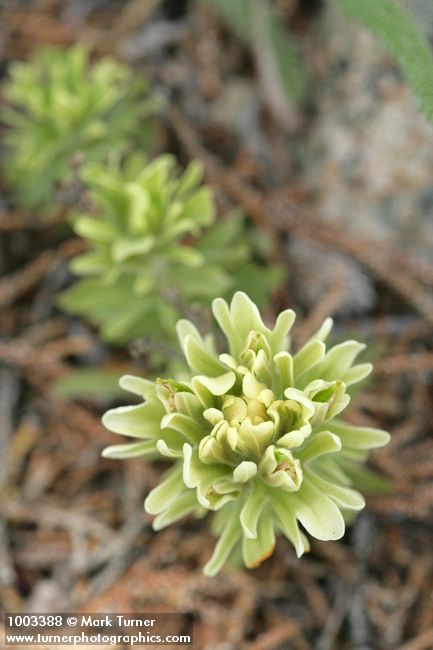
(254, 435)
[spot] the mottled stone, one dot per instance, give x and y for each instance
(369, 152)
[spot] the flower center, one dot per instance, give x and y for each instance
(246, 425)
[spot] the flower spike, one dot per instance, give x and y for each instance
(254, 435)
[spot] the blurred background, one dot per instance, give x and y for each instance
(307, 124)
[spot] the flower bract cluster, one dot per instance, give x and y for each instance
(256, 434)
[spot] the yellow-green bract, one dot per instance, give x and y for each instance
(255, 435)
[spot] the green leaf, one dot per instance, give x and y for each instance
(343, 496)
(258, 24)
(186, 255)
(339, 359)
(139, 386)
(310, 354)
(317, 513)
(92, 263)
(217, 385)
(225, 233)
(123, 248)
(237, 321)
(196, 473)
(199, 209)
(140, 421)
(321, 444)
(275, 45)
(131, 450)
(255, 551)
(279, 336)
(357, 373)
(288, 524)
(324, 330)
(89, 384)
(336, 363)
(185, 425)
(395, 28)
(95, 229)
(229, 536)
(191, 177)
(201, 283)
(256, 280)
(161, 497)
(115, 308)
(364, 479)
(201, 360)
(358, 437)
(251, 511)
(184, 505)
(283, 361)
(237, 14)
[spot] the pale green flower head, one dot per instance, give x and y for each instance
(255, 435)
(60, 105)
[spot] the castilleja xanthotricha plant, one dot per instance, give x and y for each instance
(155, 249)
(254, 435)
(60, 106)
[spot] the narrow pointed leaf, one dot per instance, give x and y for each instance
(358, 437)
(166, 492)
(343, 496)
(308, 356)
(317, 513)
(230, 535)
(185, 504)
(322, 443)
(255, 551)
(283, 508)
(130, 450)
(252, 509)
